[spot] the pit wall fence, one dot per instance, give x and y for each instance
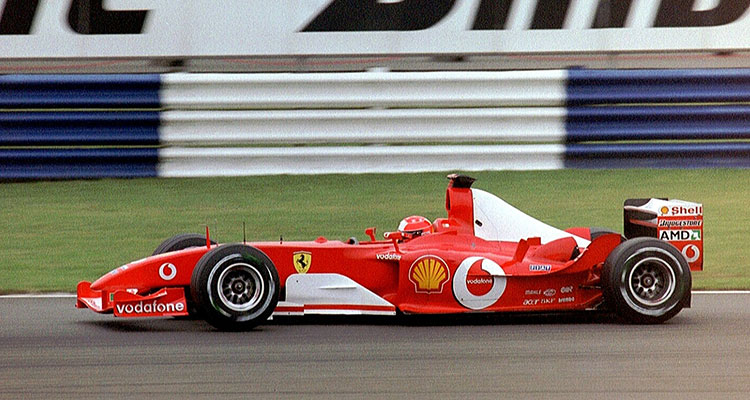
(189, 125)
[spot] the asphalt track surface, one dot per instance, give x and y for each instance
(48, 349)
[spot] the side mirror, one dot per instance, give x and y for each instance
(394, 237)
(371, 233)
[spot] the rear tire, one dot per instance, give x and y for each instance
(236, 287)
(646, 280)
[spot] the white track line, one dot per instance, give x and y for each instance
(73, 296)
(721, 291)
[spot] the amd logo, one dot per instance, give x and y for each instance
(411, 15)
(87, 17)
(680, 235)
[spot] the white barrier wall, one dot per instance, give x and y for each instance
(364, 126)
(196, 162)
(428, 119)
(371, 89)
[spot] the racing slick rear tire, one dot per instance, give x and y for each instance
(646, 281)
(236, 287)
(180, 242)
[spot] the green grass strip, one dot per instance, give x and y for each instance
(58, 233)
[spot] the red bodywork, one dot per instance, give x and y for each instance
(449, 271)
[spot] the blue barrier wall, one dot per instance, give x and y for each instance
(658, 155)
(79, 91)
(71, 128)
(647, 107)
(709, 122)
(78, 163)
(47, 123)
(587, 86)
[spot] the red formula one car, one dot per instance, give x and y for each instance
(486, 256)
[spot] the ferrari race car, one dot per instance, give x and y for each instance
(485, 256)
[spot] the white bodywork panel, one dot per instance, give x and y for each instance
(501, 221)
(660, 207)
(330, 294)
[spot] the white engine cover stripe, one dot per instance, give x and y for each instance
(501, 221)
(333, 294)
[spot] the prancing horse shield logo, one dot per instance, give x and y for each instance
(302, 261)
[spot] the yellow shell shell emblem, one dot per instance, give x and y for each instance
(429, 274)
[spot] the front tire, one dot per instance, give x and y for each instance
(236, 287)
(180, 242)
(646, 280)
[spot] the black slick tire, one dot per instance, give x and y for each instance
(180, 242)
(646, 281)
(236, 287)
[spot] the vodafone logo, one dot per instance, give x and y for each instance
(167, 271)
(478, 283)
(479, 286)
(691, 253)
(149, 308)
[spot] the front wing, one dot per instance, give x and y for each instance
(166, 302)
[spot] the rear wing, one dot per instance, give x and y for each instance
(675, 221)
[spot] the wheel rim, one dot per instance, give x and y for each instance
(240, 287)
(651, 281)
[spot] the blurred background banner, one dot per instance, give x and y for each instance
(180, 88)
(400, 34)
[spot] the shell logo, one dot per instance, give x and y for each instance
(429, 274)
(664, 210)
